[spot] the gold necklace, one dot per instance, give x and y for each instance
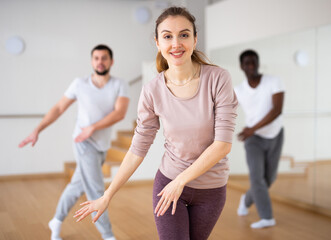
(181, 85)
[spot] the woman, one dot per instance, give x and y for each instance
(197, 105)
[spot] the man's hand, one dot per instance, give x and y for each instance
(245, 133)
(32, 138)
(85, 134)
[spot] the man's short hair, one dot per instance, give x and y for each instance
(103, 47)
(247, 53)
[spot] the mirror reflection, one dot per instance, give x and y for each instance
(301, 60)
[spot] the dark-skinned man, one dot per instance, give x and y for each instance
(261, 97)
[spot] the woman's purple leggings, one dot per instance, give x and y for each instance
(196, 214)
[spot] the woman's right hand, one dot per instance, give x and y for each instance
(99, 206)
(32, 138)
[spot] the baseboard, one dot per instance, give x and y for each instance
(135, 183)
(279, 175)
(31, 176)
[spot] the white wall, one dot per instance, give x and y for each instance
(196, 8)
(237, 21)
(277, 29)
(277, 58)
(59, 36)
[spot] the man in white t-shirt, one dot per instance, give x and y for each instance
(102, 101)
(261, 97)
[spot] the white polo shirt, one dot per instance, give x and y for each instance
(257, 103)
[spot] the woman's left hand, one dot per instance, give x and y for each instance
(99, 205)
(169, 193)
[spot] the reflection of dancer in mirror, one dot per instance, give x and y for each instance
(261, 97)
(197, 106)
(102, 101)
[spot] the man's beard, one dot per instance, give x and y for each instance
(102, 73)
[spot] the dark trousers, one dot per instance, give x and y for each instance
(196, 214)
(262, 157)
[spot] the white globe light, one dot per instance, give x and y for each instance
(142, 15)
(15, 45)
(301, 58)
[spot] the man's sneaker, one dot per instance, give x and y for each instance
(264, 223)
(242, 209)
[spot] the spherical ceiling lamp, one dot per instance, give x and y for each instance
(15, 45)
(301, 58)
(142, 15)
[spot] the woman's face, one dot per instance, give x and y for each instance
(176, 40)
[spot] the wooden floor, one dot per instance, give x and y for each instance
(311, 188)
(27, 206)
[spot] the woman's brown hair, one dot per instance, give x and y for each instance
(197, 56)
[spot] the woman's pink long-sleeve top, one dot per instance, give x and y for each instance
(190, 125)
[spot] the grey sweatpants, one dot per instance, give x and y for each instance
(88, 179)
(262, 157)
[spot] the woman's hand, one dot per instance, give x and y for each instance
(169, 193)
(99, 206)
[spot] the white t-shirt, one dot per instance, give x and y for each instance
(257, 103)
(94, 104)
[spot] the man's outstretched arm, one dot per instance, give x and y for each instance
(54, 113)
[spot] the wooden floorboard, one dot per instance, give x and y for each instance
(306, 191)
(26, 206)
